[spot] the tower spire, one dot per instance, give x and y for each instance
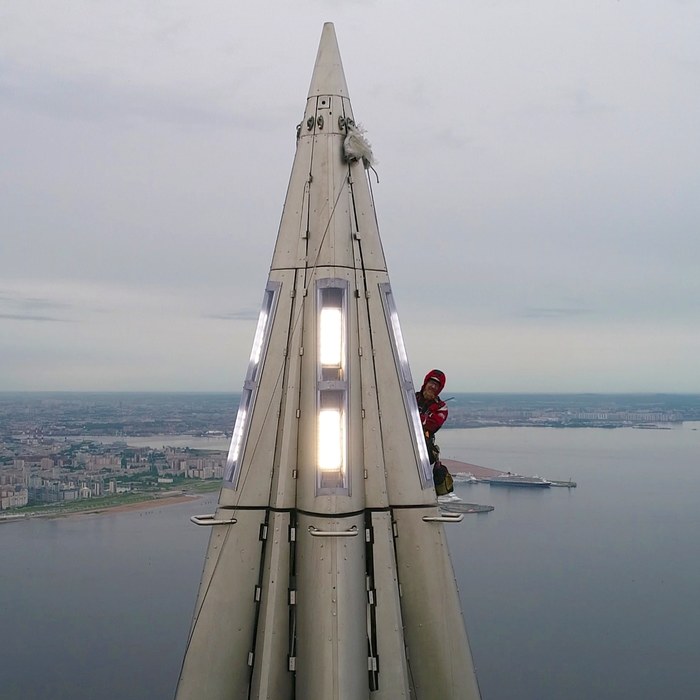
(328, 77)
(327, 547)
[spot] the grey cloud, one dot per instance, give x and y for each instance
(28, 317)
(555, 194)
(242, 315)
(553, 312)
(90, 99)
(30, 302)
(452, 139)
(583, 104)
(14, 307)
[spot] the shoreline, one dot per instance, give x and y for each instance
(455, 466)
(137, 505)
(158, 502)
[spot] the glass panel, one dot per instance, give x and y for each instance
(408, 391)
(331, 440)
(250, 386)
(234, 450)
(397, 338)
(331, 337)
(331, 424)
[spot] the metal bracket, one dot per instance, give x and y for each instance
(446, 518)
(319, 121)
(315, 532)
(210, 519)
(310, 123)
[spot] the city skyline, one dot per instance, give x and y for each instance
(537, 194)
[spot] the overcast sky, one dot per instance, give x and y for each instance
(539, 194)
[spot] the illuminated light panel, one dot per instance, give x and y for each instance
(331, 337)
(398, 336)
(237, 438)
(259, 338)
(401, 358)
(331, 440)
(418, 429)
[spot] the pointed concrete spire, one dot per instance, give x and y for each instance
(327, 546)
(328, 77)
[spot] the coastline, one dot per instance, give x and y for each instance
(455, 466)
(137, 505)
(147, 503)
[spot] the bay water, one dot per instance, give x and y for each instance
(592, 592)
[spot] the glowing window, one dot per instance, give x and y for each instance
(331, 337)
(250, 387)
(409, 394)
(331, 440)
(332, 388)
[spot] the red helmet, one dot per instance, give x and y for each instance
(437, 376)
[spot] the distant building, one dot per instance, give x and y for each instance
(13, 497)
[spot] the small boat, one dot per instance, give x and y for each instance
(518, 480)
(465, 478)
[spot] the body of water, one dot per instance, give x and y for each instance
(592, 592)
(568, 594)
